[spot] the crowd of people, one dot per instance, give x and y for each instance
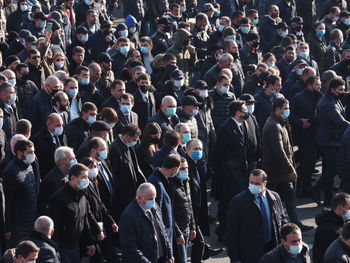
(114, 127)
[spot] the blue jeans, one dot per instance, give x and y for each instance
(70, 255)
(183, 248)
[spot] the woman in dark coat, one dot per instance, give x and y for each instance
(149, 145)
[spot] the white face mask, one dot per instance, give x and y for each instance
(1, 122)
(93, 173)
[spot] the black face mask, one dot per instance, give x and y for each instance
(166, 28)
(298, 28)
(186, 42)
(25, 76)
(63, 108)
(144, 88)
(235, 55)
(244, 115)
(53, 92)
(154, 140)
(347, 62)
(255, 44)
(105, 32)
(340, 96)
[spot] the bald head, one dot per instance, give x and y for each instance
(95, 71)
(54, 121)
(168, 102)
(52, 85)
(9, 74)
(44, 225)
(145, 189)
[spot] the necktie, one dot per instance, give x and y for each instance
(157, 234)
(57, 141)
(267, 232)
(127, 118)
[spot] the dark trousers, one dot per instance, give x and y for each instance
(308, 158)
(198, 247)
(329, 171)
(70, 255)
(287, 194)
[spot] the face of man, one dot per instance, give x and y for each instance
(63, 103)
(168, 104)
(10, 90)
(195, 147)
(23, 155)
(260, 70)
(275, 12)
(92, 18)
(147, 196)
(118, 91)
(96, 74)
(35, 59)
(78, 58)
(316, 86)
(277, 86)
(31, 257)
(292, 239)
(75, 181)
(258, 181)
(290, 56)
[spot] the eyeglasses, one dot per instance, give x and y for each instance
(36, 57)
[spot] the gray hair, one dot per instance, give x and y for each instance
(225, 57)
(191, 142)
(143, 188)
(61, 153)
(61, 75)
(15, 138)
(44, 225)
(179, 125)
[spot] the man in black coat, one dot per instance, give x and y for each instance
(330, 225)
(8, 106)
(125, 114)
(339, 250)
(290, 237)
(254, 219)
(21, 188)
(267, 25)
(125, 167)
(161, 40)
(41, 236)
(142, 231)
(117, 89)
(79, 129)
(304, 127)
(230, 159)
(41, 104)
(47, 140)
(69, 210)
(64, 159)
(211, 77)
(145, 102)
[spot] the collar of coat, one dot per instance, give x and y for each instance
(279, 119)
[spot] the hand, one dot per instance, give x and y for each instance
(100, 236)
(90, 250)
(108, 38)
(306, 123)
(293, 176)
(171, 260)
(8, 235)
(193, 234)
(191, 49)
(115, 228)
(181, 240)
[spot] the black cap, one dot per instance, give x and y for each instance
(11, 59)
(282, 25)
(344, 14)
(31, 39)
(24, 33)
(55, 25)
(56, 16)
(100, 126)
(190, 100)
(200, 84)
(247, 97)
(252, 36)
(298, 20)
(81, 30)
(39, 15)
(104, 57)
(106, 24)
(164, 21)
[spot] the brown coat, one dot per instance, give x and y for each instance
(277, 157)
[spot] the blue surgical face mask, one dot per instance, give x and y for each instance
(195, 112)
(84, 38)
(178, 83)
(93, 173)
(346, 216)
(231, 37)
(304, 55)
(255, 21)
(112, 124)
(295, 250)
(126, 109)
(85, 81)
(347, 21)
(182, 175)
(285, 114)
(91, 120)
(254, 189)
(132, 30)
(203, 93)
(144, 50)
(124, 50)
(33, 47)
(59, 64)
(182, 9)
(274, 92)
(245, 29)
(217, 13)
(270, 64)
(30, 158)
(88, 2)
(124, 33)
(72, 93)
(186, 137)
(58, 131)
(42, 24)
(13, 98)
(197, 155)
(283, 33)
(23, 43)
(170, 112)
(320, 32)
(12, 82)
(102, 155)
(83, 184)
(24, 8)
(251, 108)
(131, 144)
(221, 28)
(294, 46)
(223, 90)
(149, 204)
(72, 163)
(300, 71)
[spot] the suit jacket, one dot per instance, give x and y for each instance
(141, 108)
(126, 171)
(230, 159)
(45, 148)
(122, 122)
(48, 247)
(10, 120)
(244, 227)
(164, 200)
(137, 236)
(107, 194)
